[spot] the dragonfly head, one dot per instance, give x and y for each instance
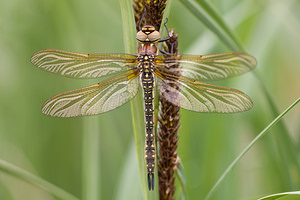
(148, 34)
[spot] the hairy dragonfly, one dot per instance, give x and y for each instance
(180, 86)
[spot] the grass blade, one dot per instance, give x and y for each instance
(90, 154)
(285, 195)
(210, 17)
(182, 182)
(136, 103)
(129, 178)
(206, 5)
(35, 180)
(259, 136)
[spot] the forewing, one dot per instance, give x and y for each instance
(94, 99)
(80, 65)
(207, 67)
(202, 97)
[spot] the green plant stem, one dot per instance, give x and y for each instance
(90, 162)
(259, 136)
(136, 103)
(35, 180)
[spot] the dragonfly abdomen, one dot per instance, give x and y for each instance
(148, 85)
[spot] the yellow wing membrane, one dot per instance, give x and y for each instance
(80, 65)
(203, 97)
(181, 85)
(94, 99)
(207, 67)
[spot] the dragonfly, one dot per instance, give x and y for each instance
(182, 86)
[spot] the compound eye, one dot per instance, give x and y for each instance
(154, 36)
(141, 36)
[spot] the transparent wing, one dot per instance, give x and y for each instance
(94, 99)
(201, 97)
(80, 65)
(207, 67)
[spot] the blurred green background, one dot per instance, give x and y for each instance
(52, 148)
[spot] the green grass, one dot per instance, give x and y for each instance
(61, 151)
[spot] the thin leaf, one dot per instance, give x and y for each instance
(207, 6)
(182, 182)
(210, 17)
(91, 188)
(128, 178)
(283, 196)
(35, 180)
(136, 103)
(260, 135)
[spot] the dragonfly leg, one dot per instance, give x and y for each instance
(140, 27)
(172, 49)
(166, 39)
(164, 52)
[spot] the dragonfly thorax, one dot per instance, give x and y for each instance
(146, 63)
(147, 49)
(145, 58)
